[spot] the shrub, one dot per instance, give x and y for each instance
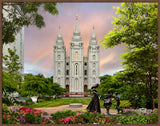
(154, 116)
(28, 101)
(7, 101)
(59, 115)
(129, 112)
(133, 119)
(25, 116)
(4, 108)
(123, 104)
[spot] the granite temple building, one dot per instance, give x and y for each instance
(76, 73)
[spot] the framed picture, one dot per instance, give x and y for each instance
(79, 62)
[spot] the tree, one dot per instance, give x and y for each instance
(9, 84)
(56, 89)
(12, 61)
(137, 27)
(39, 85)
(34, 85)
(13, 65)
(23, 14)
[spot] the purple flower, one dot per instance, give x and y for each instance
(43, 118)
(149, 114)
(21, 119)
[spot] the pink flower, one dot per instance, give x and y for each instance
(108, 120)
(8, 116)
(153, 110)
(3, 115)
(125, 111)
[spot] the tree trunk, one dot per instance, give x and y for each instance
(152, 101)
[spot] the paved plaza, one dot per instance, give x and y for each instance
(50, 110)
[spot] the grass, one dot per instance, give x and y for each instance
(67, 101)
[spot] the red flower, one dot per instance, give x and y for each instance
(154, 123)
(3, 115)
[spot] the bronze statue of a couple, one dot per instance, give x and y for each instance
(94, 105)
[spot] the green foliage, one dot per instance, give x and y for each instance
(123, 104)
(9, 84)
(133, 119)
(12, 79)
(12, 61)
(136, 26)
(59, 115)
(23, 14)
(28, 101)
(154, 116)
(39, 85)
(4, 108)
(34, 85)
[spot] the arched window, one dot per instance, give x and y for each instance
(59, 57)
(94, 57)
(94, 65)
(59, 72)
(76, 56)
(94, 72)
(59, 80)
(76, 69)
(76, 84)
(59, 65)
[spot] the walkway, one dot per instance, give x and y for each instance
(50, 110)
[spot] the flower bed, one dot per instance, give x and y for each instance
(24, 116)
(32, 116)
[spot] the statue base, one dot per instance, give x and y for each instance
(75, 105)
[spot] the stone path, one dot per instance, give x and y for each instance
(50, 110)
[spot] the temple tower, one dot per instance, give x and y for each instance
(59, 60)
(76, 61)
(93, 61)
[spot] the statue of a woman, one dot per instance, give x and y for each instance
(94, 105)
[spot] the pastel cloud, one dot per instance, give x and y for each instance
(39, 43)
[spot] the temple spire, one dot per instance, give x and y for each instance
(59, 33)
(76, 28)
(93, 34)
(93, 40)
(59, 37)
(76, 34)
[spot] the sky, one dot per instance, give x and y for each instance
(38, 43)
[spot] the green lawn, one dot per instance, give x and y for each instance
(67, 101)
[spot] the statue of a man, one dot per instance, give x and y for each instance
(107, 101)
(94, 105)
